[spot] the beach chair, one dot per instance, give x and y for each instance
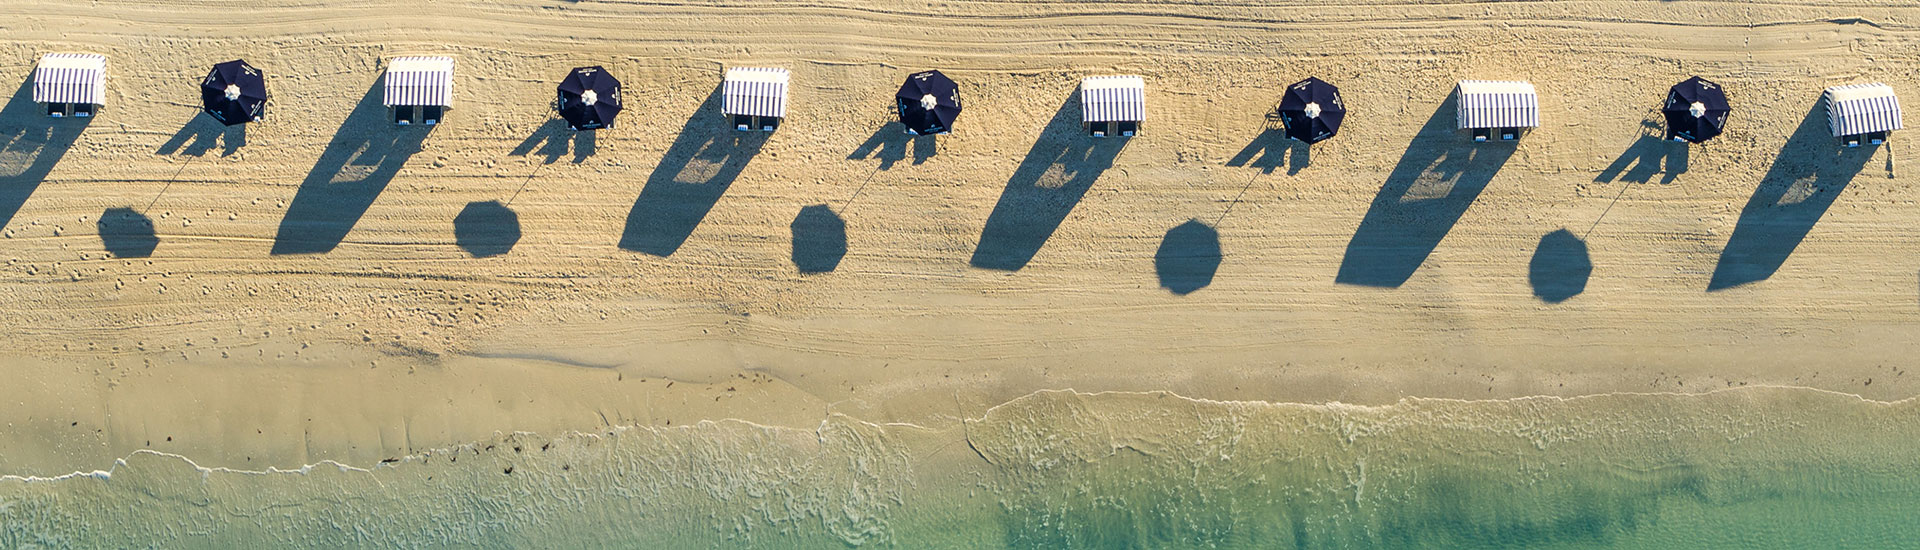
(767, 124)
(83, 110)
(431, 114)
(1876, 138)
(1509, 134)
(1480, 135)
(1128, 128)
(742, 122)
(1851, 141)
(56, 110)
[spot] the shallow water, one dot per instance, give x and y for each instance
(1755, 468)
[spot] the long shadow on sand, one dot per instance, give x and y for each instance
(1270, 150)
(1052, 178)
(367, 151)
(889, 145)
(1807, 175)
(1647, 156)
(201, 134)
(30, 144)
(554, 140)
(1437, 178)
(697, 169)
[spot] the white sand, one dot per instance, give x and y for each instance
(247, 357)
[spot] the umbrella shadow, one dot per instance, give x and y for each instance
(366, 152)
(127, 234)
(819, 239)
(696, 170)
(201, 134)
(1807, 175)
(1050, 181)
(1272, 149)
(1436, 179)
(889, 145)
(31, 143)
(554, 140)
(486, 228)
(1188, 257)
(1560, 267)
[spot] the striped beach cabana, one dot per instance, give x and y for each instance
(1858, 112)
(1506, 107)
(754, 98)
(419, 89)
(70, 84)
(1113, 105)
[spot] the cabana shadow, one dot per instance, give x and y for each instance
(1560, 267)
(1188, 257)
(554, 140)
(200, 134)
(1063, 163)
(696, 170)
(30, 144)
(486, 228)
(1436, 179)
(367, 151)
(1807, 175)
(819, 239)
(127, 234)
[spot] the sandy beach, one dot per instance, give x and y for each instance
(322, 286)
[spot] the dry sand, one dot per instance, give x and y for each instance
(398, 338)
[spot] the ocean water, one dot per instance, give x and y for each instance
(1751, 468)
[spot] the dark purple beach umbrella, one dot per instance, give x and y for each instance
(589, 98)
(928, 102)
(1311, 110)
(234, 93)
(1696, 110)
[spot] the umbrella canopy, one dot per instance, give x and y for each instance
(929, 102)
(1696, 110)
(1312, 110)
(589, 98)
(234, 93)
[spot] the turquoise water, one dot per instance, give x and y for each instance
(1758, 468)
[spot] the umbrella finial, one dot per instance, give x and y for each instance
(928, 102)
(1698, 109)
(233, 92)
(1312, 110)
(589, 97)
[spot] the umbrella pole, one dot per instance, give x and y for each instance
(524, 183)
(169, 185)
(1236, 199)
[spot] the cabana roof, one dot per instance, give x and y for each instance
(70, 78)
(1498, 104)
(1861, 109)
(1113, 99)
(424, 81)
(755, 91)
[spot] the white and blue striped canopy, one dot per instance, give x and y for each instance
(70, 78)
(1498, 104)
(425, 81)
(1862, 108)
(755, 91)
(1113, 99)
